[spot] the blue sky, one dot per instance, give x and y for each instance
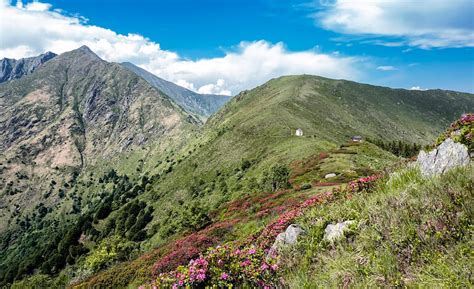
(215, 46)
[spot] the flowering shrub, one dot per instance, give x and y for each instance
(362, 184)
(247, 262)
(224, 266)
(184, 250)
(266, 238)
(461, 131)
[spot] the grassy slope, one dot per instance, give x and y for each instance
(247, 215)
(257, 126)
(410, 232)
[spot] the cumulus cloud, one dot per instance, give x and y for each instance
(252, 63)
(417, 88)
(386, 68)
(421, 23)
(33, 28)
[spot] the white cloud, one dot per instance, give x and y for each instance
(421, 23)
(386, 68)
(251, 64)
(185, 84)
(33, 28)
(417, 88)
(37, 6)
(217, 88)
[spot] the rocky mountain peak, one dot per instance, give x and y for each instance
(16, 68)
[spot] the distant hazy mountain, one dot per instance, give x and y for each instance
(16, 68)
(203, 105)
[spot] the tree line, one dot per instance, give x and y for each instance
(398, 148)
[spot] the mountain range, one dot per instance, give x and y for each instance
(101, 157)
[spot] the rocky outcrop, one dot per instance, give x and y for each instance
(284, 239)
(335, 232)
(13, 69)
(446, 156)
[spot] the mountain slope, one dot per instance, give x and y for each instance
(13, 68)
(318, 105)
(259, 124)
(239, 146)
(70, 113)
(203, 105)
(210, 187)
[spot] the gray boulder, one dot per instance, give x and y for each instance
(335, 232)
(446, 156)
(287, 238)
(331, 175)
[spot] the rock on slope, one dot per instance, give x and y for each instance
(70, 112)
(13, 68)
(203, 105)
(446, 156)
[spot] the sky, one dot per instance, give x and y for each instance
(223, 47)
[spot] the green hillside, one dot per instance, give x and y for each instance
(408, 232)
(256, 130)
(226, 181)
(259, 125)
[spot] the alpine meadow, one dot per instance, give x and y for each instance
(237, 144)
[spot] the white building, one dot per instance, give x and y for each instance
(357, 138)
(299, 132)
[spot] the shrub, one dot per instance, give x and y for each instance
(305, 186)
(224, 267)
(461, 131)
(109, 251)
(277, 177)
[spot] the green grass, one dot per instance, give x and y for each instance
(410, 231)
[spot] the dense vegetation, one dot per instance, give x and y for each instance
(47, 244)
(398, 148)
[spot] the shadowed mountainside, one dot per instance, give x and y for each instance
(202, 105)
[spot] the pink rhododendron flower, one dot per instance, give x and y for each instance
(264, 267)
(201, 276)
(245, 263)
(224, 276)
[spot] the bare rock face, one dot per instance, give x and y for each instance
(335, 232)
(446, 156)
(13, 68)
(287, 238)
